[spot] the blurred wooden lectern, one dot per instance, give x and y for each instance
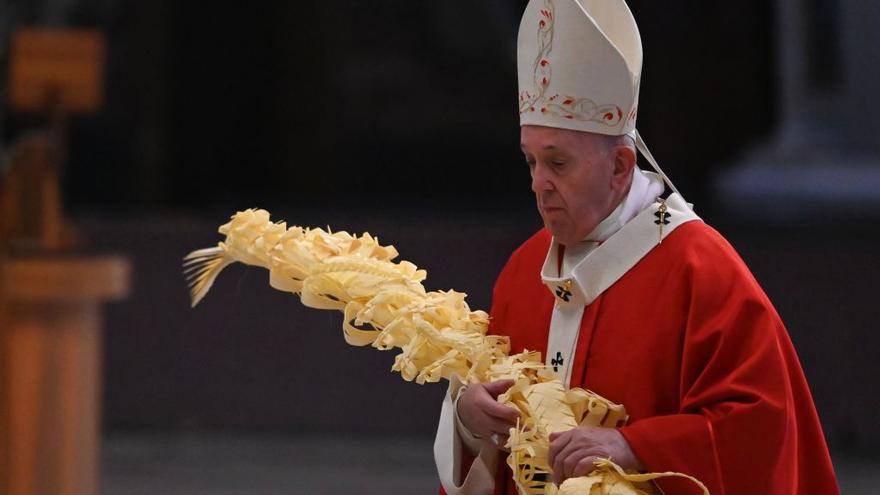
(50, 296)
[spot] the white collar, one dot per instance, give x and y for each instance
(604, 265)
(645, 189)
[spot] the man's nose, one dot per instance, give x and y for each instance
(540, 180)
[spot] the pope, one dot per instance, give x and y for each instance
(628, 293)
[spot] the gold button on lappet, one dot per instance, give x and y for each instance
(662, 215)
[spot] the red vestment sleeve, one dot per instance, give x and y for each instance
(746, 417)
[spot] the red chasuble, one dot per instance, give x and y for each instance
(689, 343)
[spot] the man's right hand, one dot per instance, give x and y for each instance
(482, 415)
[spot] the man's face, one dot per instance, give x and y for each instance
(575, 178)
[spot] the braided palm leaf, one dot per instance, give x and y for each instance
(386, 306)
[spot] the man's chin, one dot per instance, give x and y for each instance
(562, 236)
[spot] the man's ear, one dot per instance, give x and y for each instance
(624, 162)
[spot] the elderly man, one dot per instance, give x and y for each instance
(630, 295)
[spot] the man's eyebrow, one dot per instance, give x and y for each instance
(549, 147)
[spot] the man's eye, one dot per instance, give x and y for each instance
(558, 163)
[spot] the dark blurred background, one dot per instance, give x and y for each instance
(398, 117)
(287, 102)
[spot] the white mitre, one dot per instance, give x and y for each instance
(580, 67)
(580, 64)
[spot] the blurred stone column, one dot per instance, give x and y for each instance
(825, 154)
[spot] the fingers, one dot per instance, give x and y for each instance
(564, 442)
(566, 454)
(498, 387)
(483, 415)
(500, 411)
(577, 463)
(583, 467)
(576, 460)
(498, 427)
(558, 441)
(489, 405)
(498, 435)
(572, 453)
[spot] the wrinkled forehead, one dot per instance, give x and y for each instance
(535, 138)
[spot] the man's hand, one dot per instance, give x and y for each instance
(572, 452)
(482, 415)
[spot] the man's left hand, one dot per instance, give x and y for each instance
(572, 452)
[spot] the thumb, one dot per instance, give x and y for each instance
(498, 387)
